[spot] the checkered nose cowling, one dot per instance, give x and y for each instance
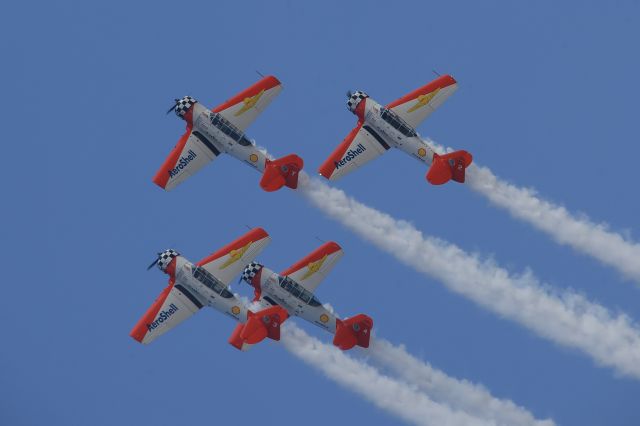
(183, 105)
(354, 99)
(250, 272)
(165, 258)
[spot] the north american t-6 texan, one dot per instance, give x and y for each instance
(221, 130)
(277, 296)
(381, 127)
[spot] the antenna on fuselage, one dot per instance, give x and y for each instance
(248, 227)
(260, 74)
(436, 72)
(320, 239)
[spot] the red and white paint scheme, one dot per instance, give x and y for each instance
(192, 286)
(221, 130)
(293, 290)
(382, 127)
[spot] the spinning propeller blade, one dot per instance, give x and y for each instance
(174, 106)
(154, 263)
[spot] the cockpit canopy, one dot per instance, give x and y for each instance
(354, 99)
(298, 291)
(397, 123)
(229, 129)
(183, 105)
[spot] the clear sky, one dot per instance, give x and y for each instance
(548, 98)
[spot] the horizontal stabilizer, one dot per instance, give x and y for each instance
(281, 172)
(353, 331)
(449, 166)
(259, 325)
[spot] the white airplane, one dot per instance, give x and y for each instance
(221, 130)
(382, 127)
(192, 286)
(293, 290)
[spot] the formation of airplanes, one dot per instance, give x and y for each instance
(278, 296)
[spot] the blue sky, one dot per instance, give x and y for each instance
(548, 98)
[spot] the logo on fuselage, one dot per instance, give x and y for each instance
(163, 316)
(184, 161)
(350, 155)
(324, 318)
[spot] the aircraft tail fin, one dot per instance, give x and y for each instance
(449, 166)
(281, 172)
(353, 331)
(259, 325)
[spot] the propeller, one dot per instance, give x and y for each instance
(155, 262)
(349, 94)
(174, 106)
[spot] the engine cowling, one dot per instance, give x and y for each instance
(165, 261)
(355, 103)
(252, 275)
(183, 106)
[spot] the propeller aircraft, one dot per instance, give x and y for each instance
(293, 289)
(381, 127)
(221, 130)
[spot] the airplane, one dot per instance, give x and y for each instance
(382, 127)
(221, 130)
(205, 283)
(293, 289)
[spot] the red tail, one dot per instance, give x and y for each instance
(353, 331)
(264, 323)
(449, 166)
(280, 172)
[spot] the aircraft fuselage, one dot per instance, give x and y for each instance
(208, 290)
(295, 299)
(388, 128)
(219, 135)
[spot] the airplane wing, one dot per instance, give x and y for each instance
(174, 305)
(229, 261)
(419, 104)
(243, 108)
(360, 146)
(312, 269)
(192, 152)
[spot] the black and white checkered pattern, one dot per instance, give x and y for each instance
(250, 271)
(355, 99)
(183, 105)
(165, 258)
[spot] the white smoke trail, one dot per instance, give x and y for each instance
(564, 317)
(472, 399)
(394, 396)
(580, 233)
(460, 394)
(585, 236)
